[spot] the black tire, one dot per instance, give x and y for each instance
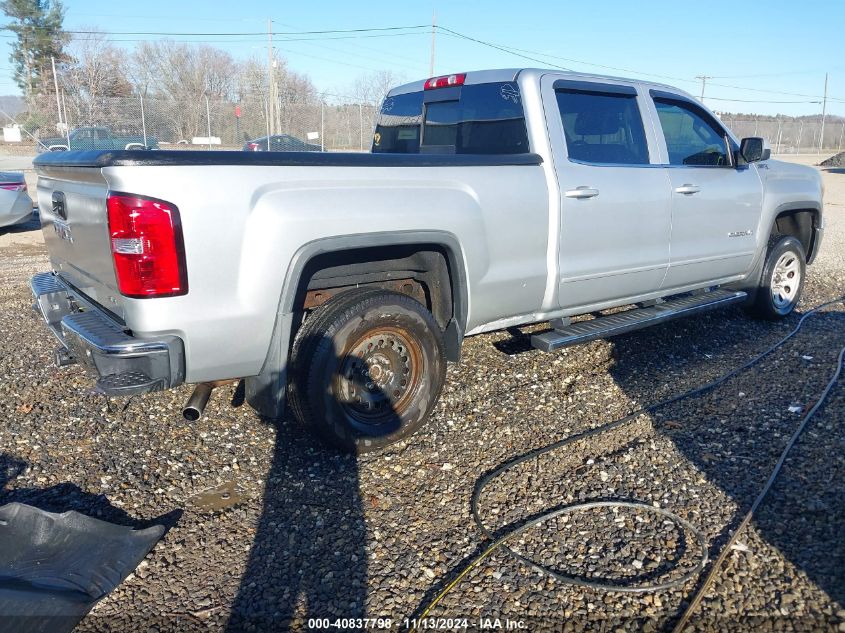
(367, 368)
(782, 280)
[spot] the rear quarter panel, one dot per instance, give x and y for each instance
(243, 225)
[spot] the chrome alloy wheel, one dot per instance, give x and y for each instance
(786, 280)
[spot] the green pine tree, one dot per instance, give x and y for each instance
(38, 27)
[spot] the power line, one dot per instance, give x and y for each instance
(511, 50)
(241, 34)
(496, 46)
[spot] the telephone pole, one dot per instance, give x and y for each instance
(703, 79)
(433, 36)
(824, 112)
(272, 81)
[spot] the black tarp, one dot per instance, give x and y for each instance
(55, 567)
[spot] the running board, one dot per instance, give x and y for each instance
(634, 319)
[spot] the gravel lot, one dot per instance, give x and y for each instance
(318, 535)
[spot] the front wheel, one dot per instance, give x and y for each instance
(367, 369)
(783, 278)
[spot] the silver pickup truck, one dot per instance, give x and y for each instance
(344, 282)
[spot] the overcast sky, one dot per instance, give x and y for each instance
(757, 53)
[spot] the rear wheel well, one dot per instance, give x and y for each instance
(421, 271)
(800, 224)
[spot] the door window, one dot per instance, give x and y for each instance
(692, 137)
(603, 128)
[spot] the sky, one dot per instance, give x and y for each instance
(764, 58)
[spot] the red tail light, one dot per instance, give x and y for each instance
(13, 186)
(147, 246)
(446, 81)
(253, 147)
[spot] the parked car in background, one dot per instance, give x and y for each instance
(95, 138)
(15, 203)
(281, 143)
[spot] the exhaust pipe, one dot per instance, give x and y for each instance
(192, 411)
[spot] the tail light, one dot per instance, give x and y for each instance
(13, 186)
(147, 246)
(445, 81)
(253, 147)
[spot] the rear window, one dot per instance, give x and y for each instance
(474, 119)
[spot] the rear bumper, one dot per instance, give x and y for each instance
(122, 364)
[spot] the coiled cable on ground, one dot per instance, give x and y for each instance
(509, 534)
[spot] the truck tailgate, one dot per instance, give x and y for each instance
(72, 205)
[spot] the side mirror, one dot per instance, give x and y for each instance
(754, 149)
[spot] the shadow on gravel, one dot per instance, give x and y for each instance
(735, 439)
(66, 496)
(308, 558)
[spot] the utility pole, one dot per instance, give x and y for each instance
(433, 36)
(56, 85)
(272, 81)
(824, 112)
(703, 79)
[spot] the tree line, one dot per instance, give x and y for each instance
(94, 76)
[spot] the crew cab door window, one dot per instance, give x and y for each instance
(692, 137)
(603, 128)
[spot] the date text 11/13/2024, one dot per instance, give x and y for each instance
(430, 624)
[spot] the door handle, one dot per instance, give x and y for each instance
(582, 192)
(687, 189)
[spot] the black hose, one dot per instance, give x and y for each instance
(699, 595)
(604, 428)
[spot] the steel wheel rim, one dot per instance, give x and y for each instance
(378, 378)
(786, 279)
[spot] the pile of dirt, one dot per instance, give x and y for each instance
(834, 161)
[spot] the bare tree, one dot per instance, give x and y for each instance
(185, 75)
(94, 70)
(371, 88)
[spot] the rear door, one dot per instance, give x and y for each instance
(615, 203)
(716, 204)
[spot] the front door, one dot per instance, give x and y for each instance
(615, 205)
(716, 205)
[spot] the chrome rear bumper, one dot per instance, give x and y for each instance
(122, 364)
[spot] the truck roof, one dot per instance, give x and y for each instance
(511, 74)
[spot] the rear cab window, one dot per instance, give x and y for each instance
(602, 123)
(483, 118)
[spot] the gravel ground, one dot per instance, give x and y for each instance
(307, 533)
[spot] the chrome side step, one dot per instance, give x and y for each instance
(635, 319)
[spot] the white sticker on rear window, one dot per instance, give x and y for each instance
(509, 92)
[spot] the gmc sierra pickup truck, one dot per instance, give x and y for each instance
(343, 283)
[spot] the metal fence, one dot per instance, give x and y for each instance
(789, 135)
(207, 123)
(204, 123)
